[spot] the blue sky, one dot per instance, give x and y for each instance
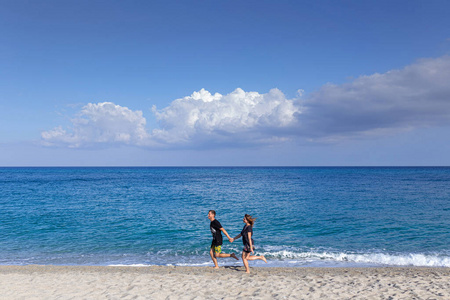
(151, 83)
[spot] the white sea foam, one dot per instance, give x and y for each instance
(192, 264)
(132, 265)
(412, 259)
(282, 255)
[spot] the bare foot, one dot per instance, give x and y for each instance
(248, 272)
(264, 259)
(234, 256)
(215, 267)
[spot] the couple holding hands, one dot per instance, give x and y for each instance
(246, 234)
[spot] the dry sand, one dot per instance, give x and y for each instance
(79, 282)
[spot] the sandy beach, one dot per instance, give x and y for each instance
(156, 282)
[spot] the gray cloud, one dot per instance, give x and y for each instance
(415, 96)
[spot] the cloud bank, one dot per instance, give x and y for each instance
(415, 96)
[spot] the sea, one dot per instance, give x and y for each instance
(305, 216)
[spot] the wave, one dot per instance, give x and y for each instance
(371, 259)
(277, 256)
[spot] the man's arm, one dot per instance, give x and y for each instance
(226, 233)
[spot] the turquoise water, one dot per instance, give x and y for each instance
(158, 216)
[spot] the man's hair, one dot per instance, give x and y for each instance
(213, 212)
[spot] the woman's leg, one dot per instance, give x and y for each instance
(253, 257)
(244, 259)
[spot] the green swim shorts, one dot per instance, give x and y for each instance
(217, 249)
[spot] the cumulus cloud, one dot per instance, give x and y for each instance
(102, 123)
(239, 117)
(415, 96)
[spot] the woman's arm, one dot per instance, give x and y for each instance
(250, 241)
(236, 237)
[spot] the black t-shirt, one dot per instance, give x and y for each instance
(244, 233)
(216, 233)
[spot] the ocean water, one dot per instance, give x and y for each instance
(323, 217)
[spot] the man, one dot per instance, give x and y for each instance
(216, 245)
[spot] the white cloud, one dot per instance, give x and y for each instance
(200, 119)
(102, 123)
(240, 117)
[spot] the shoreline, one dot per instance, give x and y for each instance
(173, 282)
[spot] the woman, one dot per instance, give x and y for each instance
(247, 240)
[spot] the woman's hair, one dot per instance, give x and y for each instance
(250, 219)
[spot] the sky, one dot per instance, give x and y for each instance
(224, 83)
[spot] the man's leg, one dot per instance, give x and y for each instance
(227, 255)
(218, 253)
(213, 257)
